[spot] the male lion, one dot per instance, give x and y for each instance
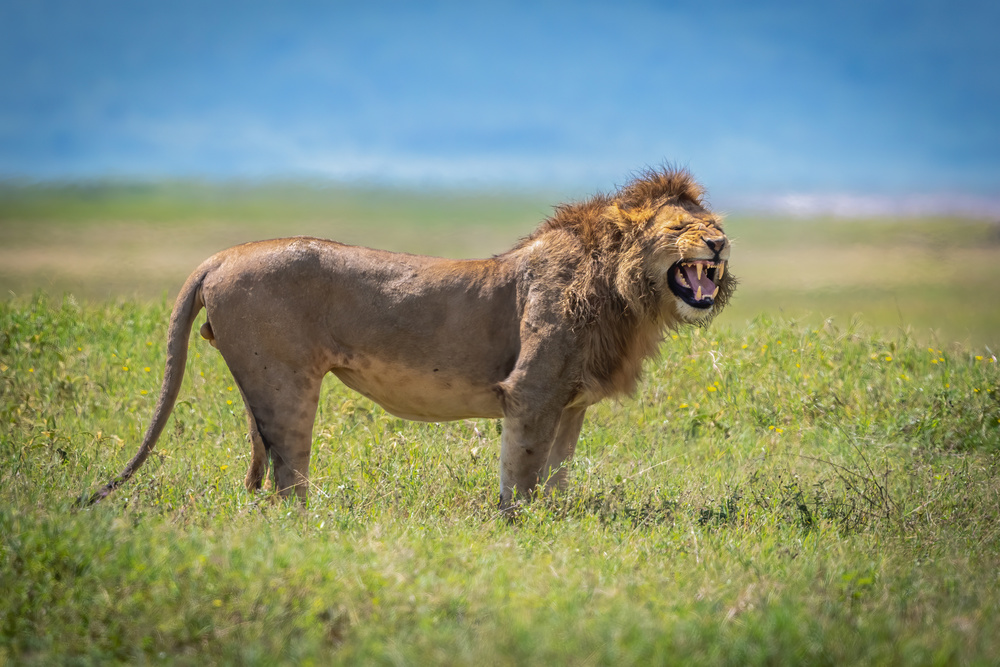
(535, 335)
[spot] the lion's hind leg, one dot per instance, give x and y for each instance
(258, 453)
(281, 403)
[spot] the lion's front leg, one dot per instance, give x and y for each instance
(535, 396)
(563, 446)
(524, 450)
(533, 448)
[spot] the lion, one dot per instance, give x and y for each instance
(534, 336)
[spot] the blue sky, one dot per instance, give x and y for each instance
(885, 96)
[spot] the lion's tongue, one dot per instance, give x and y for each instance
(706, 284)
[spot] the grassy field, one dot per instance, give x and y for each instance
(142, 241)
(935, 277)
(783, 489)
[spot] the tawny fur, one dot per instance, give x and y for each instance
(535, 335)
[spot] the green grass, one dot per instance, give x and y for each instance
(777, 492)
(934, 277)
(812, 480)
(141, 240)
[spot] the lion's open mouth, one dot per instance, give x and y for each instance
(695, 281)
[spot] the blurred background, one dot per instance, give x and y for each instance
(854, 146)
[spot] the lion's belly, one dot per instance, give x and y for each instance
(420, 395)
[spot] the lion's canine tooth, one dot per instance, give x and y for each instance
(698, 267)
(722, 270)
(698, 296)
(715, 293)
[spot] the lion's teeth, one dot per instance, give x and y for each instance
(715, 293)
(722, 270)
(698, 296)
(698, 267)
(682, 281)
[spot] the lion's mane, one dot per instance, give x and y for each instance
(612, 299)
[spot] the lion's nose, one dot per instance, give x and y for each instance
(716, 244)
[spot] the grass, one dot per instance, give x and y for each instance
(812, 480)
(139, 240)
(931, 276)
(776, 492)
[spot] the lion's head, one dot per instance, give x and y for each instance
(686, 249)
(648, 257)
(651, 250)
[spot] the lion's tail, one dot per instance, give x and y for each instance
(186, 308)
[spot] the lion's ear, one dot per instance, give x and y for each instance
(626, 217)
(617, 215)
